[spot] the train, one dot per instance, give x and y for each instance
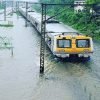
(62, 40)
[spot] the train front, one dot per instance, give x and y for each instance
(73, 45)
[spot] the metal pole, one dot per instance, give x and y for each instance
(4, 10)
(16, 6)
(42, 48)
(86, 14)
(12, 7)
(26, 13)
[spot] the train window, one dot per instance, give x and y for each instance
(64, 43)
(82, 43)
(49, 41)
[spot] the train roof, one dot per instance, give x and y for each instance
(35, 15)
(38, 17)
(54, 27)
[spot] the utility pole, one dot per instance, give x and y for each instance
(16, 7)
(4, 10)
(12, 6)
(43, 31)
(26, 13)
(42, 48)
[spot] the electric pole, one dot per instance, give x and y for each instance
(4, 10)
(26, 13)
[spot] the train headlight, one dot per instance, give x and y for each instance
(61, 51)
(85, 50)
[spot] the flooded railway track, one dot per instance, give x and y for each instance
(19, 76)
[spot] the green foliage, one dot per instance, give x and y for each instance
(84, 22)
(92, 1)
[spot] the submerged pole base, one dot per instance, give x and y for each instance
(41, 70)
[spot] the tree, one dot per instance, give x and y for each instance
(92, 1)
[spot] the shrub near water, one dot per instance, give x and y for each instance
(85, 22)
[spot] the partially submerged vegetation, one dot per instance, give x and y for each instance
(6, 24)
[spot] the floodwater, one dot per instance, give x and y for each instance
(19, 75)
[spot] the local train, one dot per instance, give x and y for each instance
(62, 40)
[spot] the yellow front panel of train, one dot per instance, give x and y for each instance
(73, 45)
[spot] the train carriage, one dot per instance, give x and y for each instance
(62, 40)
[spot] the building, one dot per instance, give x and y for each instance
(79, 5)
